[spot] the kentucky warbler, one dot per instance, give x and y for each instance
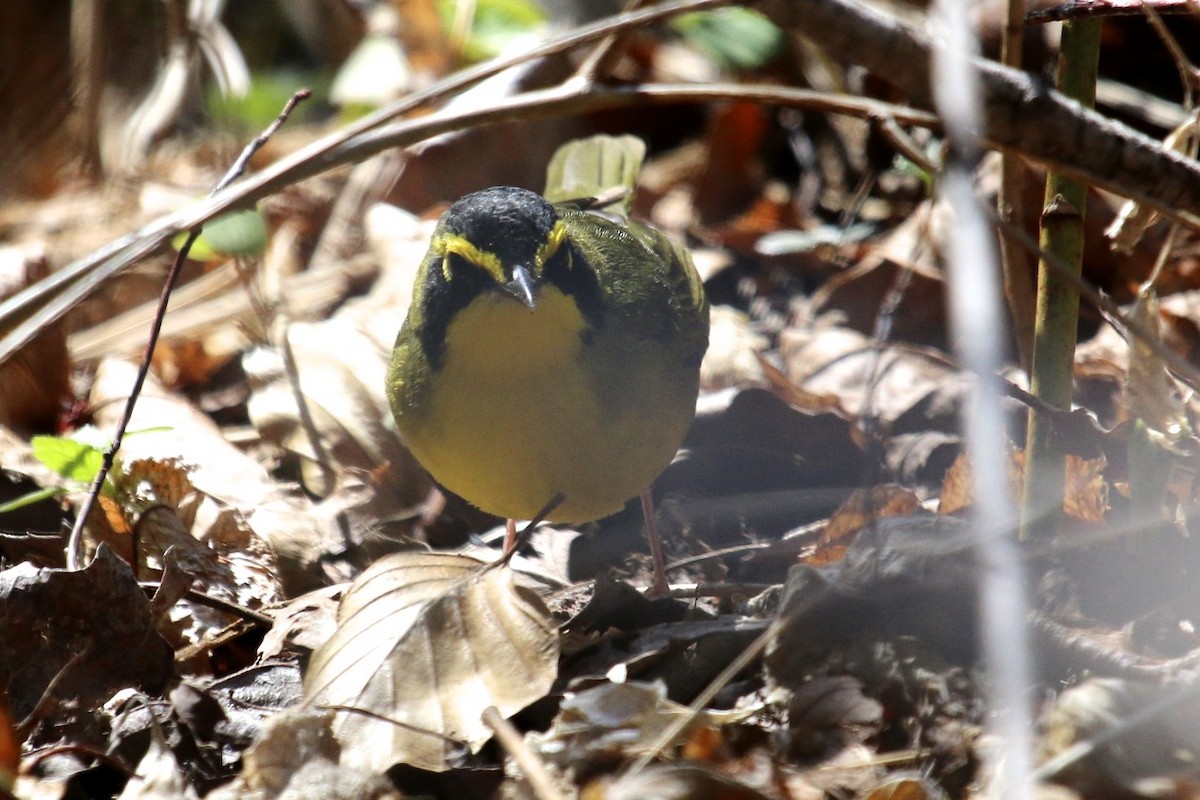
(548, 350)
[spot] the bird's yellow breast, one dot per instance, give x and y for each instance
(514, 416)
(496, 341)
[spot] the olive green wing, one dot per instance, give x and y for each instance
(411, 365)
(686, 287)
(643, 273)
(641, 268)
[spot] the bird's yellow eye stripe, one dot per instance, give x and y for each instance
(549, 247)
(450, 243)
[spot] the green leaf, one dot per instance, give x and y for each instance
(497, 25)
(238, 233)
(735, 38)
(904, 166)
(584, 168)
(73, 460)
(269, 91)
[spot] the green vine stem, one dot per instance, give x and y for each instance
(1057, 314)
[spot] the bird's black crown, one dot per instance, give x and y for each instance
(505, 220)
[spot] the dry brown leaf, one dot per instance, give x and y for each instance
(80, 634)
(858, 510)
(159, 775)
(36, 378)
(734, 351)
(342, 374)
(958, 491)
(907, 788)
(424, 37)
(828, 713)
(212, 544)
(295, 755)
(1150, 390)
(865, 291)
(1085, 496)
(303, 623)
(428, 641)
(670, 782)
(110, 525)
(726, 185)
(244, 578)
(296, 534)
(792, 394)
(287, 742)
(159, 481)
(868, 377)
(610, 721)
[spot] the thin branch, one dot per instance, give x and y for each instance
(64, 285)
(1183, 369)
(1021, 116)
(510, 739)
(1103, 8)
(75, 542)
(75, 282)
(605, 55)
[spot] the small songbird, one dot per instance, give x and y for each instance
(551, 351)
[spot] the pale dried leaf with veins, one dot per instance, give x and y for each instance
(1150, 390)
(342, 375)
(1134, 219)
(428, 641)
(610, 720)
(198, 494)
(733, 351)
(159, 776)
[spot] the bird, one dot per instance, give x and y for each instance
(548, 366)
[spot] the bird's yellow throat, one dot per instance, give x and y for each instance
(496, 340)
(514, 417)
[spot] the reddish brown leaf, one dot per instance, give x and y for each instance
(856, 512)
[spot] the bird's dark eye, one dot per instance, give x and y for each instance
(466, 274)
(460, 256)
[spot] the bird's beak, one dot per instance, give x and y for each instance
(521, 287)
